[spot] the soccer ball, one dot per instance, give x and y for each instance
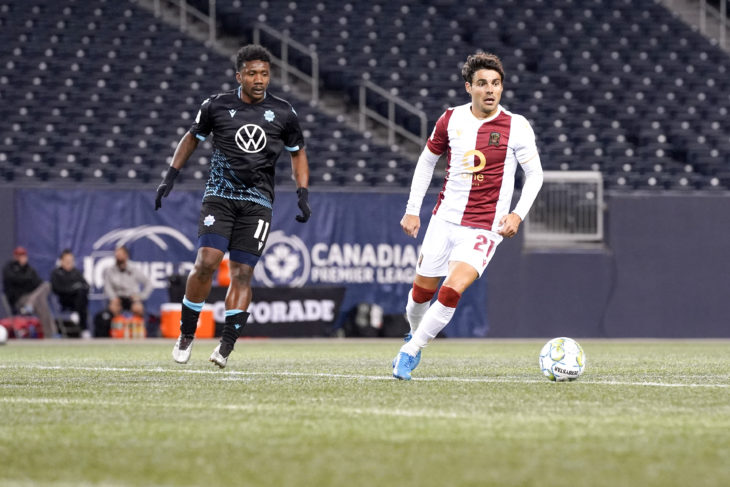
(3, 335)
(562, 359)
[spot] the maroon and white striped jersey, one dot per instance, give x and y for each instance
(482, 156)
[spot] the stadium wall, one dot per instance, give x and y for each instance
(664, 272)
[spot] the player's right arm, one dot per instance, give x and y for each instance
(185, 148)
(183, 151)
(436, 145)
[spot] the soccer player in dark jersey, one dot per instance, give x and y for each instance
(250, 128)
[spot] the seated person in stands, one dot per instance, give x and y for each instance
(72, 290)
(126, 286)
(27, 293)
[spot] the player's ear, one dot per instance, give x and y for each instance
(238, 77)
(467, 86)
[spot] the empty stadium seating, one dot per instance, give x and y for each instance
(101, 90)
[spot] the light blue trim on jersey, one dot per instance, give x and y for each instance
(292, 149)
(198, 136)
(231, 312)
(194, 306)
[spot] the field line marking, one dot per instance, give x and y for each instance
(227, 376)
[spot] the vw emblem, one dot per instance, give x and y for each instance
(251, 138)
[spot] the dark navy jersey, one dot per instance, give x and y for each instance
(247, 141)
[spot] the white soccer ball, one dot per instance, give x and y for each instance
(3, 335)
(562, 359)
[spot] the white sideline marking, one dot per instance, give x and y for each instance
(226, 375)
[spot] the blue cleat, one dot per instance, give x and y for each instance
(417, 359)
(403, 365)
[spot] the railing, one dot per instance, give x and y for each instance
(283, 64)
(720, 16)
(393, 101)
(568, 210)
(188, 13)
(711, 22)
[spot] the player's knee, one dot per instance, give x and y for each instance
(207, 263)
(241, 274)
(449, 296)
(421, 294)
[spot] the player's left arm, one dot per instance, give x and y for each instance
(529, 160)
(300, 172)
(294, 143)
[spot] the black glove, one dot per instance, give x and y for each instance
(165, 186)
(303, 203)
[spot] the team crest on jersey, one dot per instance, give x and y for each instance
(209, 220)
(494, 138)
(269, 116)
(251, 138)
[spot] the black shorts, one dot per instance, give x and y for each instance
(238, 226)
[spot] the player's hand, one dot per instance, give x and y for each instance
(303, 194)
(410, 224)
(509, 225)
(165, 186)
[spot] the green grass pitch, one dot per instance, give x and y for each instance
(328, 413)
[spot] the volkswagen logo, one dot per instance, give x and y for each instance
(251, 138)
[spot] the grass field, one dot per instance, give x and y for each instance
(326, 413)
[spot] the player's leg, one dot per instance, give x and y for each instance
(470, 256)
(419, 299)
(197, 288)
(214, 228)
(248, 239)
(238, 299)
(432, 265)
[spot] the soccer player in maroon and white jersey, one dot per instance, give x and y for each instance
(484, 144)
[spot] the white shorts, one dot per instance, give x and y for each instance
(446, 242)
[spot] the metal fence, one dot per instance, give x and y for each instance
(568, 210)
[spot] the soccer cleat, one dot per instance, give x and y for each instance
(417, 359)
(220, 355)
(403, 366)
(182, 349)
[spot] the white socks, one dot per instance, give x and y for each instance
(415, 311)
(434, 320)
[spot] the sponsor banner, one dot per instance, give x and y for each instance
(353, 240)
(291, 312)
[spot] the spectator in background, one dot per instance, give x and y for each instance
(125, 285)
(72, 289)
(27, 293)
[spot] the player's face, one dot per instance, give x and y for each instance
(486, 91)
(254, 78)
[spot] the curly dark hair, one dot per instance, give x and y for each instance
(481, 60)
(252, 52)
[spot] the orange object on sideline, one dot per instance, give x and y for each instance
(170, 314)
(224, 274)
(127, 325)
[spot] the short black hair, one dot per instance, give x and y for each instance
(65, 252)
(481, 60)
(252, 52)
